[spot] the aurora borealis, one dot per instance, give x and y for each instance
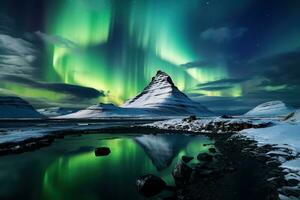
(225, 54)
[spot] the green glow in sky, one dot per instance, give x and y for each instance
(121, 63)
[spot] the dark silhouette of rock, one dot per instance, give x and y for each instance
(150, 185)
(190, 118)
(186, 159)
(102, 151)
(212, 150)
(226, 117)
(205, 157)
(181, 173)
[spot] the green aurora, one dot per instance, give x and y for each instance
(150, 41)
(220, 53)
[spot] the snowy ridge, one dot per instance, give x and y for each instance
(162, 96)
(208, 125)
(15, 107)
(294, 116)
(105, 110)
(272, 108)
(56, 111)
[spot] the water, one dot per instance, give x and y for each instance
(69, 170)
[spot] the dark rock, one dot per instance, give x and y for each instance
(181, 172)
(205, 157)
(102, 151)
(212, 150)
(190, 118)
(292, 182)
(226, 117)
(186, 159)
(273, 163)
(150, 185)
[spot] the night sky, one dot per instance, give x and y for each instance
(228, 55)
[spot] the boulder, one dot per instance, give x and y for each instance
(186, 159)
(181, 173)
(212, 150)
(102, 151)
(190, 118)
(150, 185)
(205, 157)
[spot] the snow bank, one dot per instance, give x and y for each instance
(285, 138)
(272, 108)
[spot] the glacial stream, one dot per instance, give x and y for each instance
(69, 169)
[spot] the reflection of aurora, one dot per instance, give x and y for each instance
(121, 47)
(84, 176)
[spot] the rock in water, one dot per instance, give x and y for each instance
(205, 157)
(150, 185)
(186, 159)
(102, 151)
(181, 173)
(212, 150)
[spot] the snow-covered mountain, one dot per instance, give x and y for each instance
(56, 111)
(161, 96)
(105, 110)
(268, 109)
(15, 107)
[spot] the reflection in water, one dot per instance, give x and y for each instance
(162, 149)
(70, 169)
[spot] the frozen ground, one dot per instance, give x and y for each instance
(282, 135)
(285, 138)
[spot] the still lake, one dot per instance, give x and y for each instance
(69, 169)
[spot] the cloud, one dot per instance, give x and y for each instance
(215, 88)
(282, 69)
(194, 64)
(222, 34)
(58, 41)
(229, 81)
(67, 89)
(17, 56)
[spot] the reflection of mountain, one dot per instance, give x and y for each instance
(162, 149)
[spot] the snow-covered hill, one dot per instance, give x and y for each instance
(56, 111)
(270, 109)
(106, 110)
(15, 107)
(161, 96)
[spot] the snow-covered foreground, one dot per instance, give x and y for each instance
(282, 136)
(285, 138)
(14, 135)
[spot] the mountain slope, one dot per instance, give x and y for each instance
(15, 107)
(105, 110)
(56, 111)
(272, 108)
(163, 97)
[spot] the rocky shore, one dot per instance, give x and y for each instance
(236, 167)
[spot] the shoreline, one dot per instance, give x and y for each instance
(236, 155)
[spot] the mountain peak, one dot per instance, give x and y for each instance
(162, 95)
(162, 77)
